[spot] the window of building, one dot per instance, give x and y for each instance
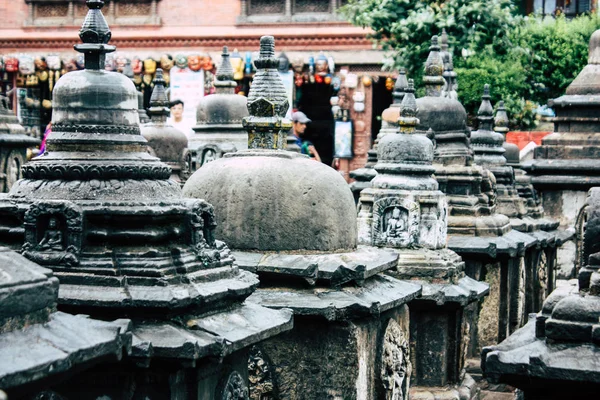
(283, 11)
(72, 12)
(568, 7)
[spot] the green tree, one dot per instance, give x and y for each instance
(405, 27)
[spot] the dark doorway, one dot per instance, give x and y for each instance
(314, 102)
(382, 98)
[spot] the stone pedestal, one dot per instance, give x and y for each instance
(292, 221)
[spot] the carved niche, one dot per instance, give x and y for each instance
(233, 388)
(395, 363)
(53, 233)
(260, 376)
(395, 222)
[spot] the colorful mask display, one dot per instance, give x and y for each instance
(389, 83)
(237, 63)
(149, 66)
(194, 62)
(181, 61)
(26, 64)
(166, 62)
(110, 64)
(11, 64)
(322, 65)
(207, 63)
(137, 65)
(54, 62)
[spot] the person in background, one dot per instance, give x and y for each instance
(176, 119)
(300, 120)
(47, 133)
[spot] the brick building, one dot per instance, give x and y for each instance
(150, 28)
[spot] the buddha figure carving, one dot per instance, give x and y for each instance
(395, 223)
(52, 239)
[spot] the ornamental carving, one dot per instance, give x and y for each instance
(234, 388)
(53, 233)
(59, 171)
(260, 376)
(395, 363)
(395, 222)
(97, 129)
(542, 276)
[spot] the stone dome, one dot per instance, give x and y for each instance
(441, 114)
(279, 201)
(90, 97)
(416, 149)
(512, 153)
(219, 109)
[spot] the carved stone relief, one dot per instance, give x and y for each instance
(395, 363)
(260, 376)
(395, 222)
(234, 388)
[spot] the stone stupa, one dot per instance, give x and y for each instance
(293, 221)
(103, 215)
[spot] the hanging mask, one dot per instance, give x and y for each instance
(194, 62)
(26, 64)
(237, 63)
(11, 64)
(248, 63)
(53, 62)
(166, 62)
(181, 61)
(40, 64)
(110, 63)
(137, 65)
(80, 61)
(389, 83)
(70, 65)
(207, 63)
(121, 62)
(149, 66)
(284, 63)
(298, 80)
(321, 65)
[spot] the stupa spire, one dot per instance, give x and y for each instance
(95, 35)
(159, 103)
(434, 68)
(267, 102)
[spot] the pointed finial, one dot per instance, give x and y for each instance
(159, 103)
(408, 120)
(501, 119)
(485, 112)
(444, 40)
(95, 35)
(225, 70)
(267, 102)
(400, 86)
(434, 68)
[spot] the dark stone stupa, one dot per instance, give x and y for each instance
(103, 214)
(293, 221)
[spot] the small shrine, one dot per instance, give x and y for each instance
(13, 146)
(556, 353)
(219, 117)
(292, 220)
(389, 124)
(404, 210)
(167, 143)
(101, 213)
